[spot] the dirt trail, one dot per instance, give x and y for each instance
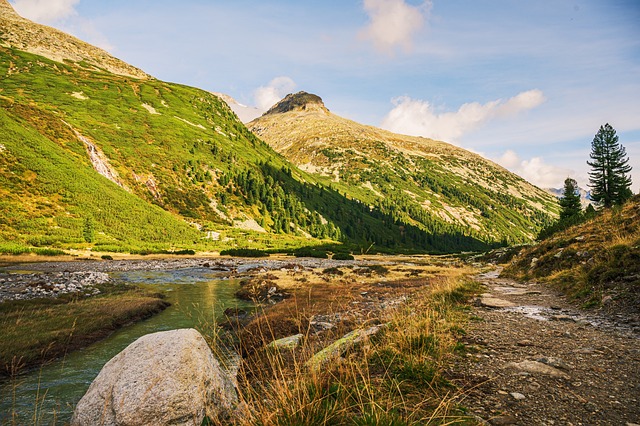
(536, 360)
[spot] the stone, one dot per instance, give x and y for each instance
(494, 302)
(566, 318)
(340, 346)
(535, 367)
(554, 362)
(165, 378)
(517, 396)
(287, 343)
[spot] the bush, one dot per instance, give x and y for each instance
(342, 256)
(310, 252)
(47, 252)
(244, 252)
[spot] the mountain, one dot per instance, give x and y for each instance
(95, 153)
(432, 185)
(585, 195)
(596, 262)
(245, 113)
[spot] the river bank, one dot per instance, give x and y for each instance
(326, 298)
(49, 308)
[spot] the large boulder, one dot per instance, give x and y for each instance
(165, 378)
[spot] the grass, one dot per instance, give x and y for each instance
(39, 330)
(590, 261)
(397, 377)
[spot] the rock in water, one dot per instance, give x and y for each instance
(166, 378)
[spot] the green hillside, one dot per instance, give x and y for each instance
(94, 153)
(177, 162)
(432, 185)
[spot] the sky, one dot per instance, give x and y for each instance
(526, 84)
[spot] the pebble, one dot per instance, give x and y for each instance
(517, 396)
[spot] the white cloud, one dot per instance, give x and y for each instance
(393, 23)
(267, 96)
(419, 118)
(535, 170)
(46, 11)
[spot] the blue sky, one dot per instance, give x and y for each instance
(525, 83)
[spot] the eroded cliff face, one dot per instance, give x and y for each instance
(23, 34)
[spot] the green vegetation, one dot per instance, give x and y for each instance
(594, 261)
(57, 326)
(608, 179)
(244, 253)
(570, 201)
(181, 169)
(440, 197)
(571, 211)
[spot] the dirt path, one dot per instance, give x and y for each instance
(535, 360)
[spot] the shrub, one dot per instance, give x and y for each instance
(244, 252)
(342, 256)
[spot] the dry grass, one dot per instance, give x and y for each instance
(396, 377)
(36, 331)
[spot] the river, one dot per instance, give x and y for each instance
(47, 396)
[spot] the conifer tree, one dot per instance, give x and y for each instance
(570, 201)
(609, 182)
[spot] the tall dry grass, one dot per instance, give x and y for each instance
(396, 377)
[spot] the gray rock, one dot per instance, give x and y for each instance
(517, 396)
(494, 302)
(340, 346)
(166, 378)
(535, 367)
(554, 362)
(288, 343)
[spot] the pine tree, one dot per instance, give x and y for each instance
(570, 201)
(609, 182)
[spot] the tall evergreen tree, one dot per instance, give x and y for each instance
(570, 201)
(609, 182)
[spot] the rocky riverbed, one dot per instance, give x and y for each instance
(49, 285)
(54, 279)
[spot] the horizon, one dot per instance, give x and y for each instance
(525, 85)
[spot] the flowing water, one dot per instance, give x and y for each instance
(48, 395)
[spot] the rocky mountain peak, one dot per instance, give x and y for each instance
(301, 101)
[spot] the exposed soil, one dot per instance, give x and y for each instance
(534, 359)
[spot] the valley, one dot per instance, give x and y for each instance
(327, 272)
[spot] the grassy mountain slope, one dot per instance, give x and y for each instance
(597, 262)
(93, 156)
(429, 184)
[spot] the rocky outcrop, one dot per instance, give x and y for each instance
(301, 101)
(165, 378)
